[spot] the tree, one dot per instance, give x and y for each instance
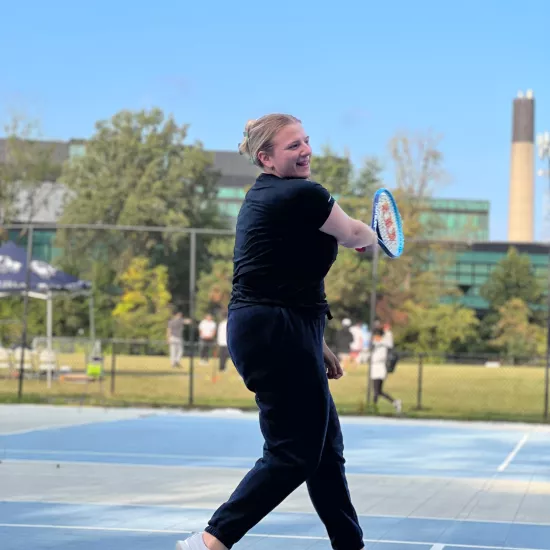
(354, 191)
(514, 335)
(417, 163)
(138, 171)
(26, 173)
(512, 277)
(437, 329)
(144, 308)
(332, 171)
(214, 284)
(11, 315)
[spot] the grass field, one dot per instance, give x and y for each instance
(448, 391)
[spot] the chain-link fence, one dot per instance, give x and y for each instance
(139, 372)
(111, 344)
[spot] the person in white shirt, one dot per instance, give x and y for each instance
(207, 334)
(222, 343)
(381, 343)
(357, 343)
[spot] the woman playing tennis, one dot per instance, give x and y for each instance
(287, 236)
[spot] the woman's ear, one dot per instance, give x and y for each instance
(265, 159)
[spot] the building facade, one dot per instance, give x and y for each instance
(474, 262)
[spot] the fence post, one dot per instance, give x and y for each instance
(546, 374)
(420, 379)
(546, 383)
(192, 285)
(113, 366)
(25, 311)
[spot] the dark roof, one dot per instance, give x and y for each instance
(231, 163)
(60, 149)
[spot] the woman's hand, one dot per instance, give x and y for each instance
(334, 369)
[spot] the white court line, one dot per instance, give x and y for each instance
(437, 547)
(131, 455)
(47, 427)
(434, 545)
(111, 504)
(513, 454)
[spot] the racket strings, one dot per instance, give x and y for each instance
(388, 225)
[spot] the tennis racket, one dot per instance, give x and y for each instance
(386, 222)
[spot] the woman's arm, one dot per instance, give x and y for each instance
(348, 232)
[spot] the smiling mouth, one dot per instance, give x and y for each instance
(303, 163)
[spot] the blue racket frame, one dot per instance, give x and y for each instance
(374, 224)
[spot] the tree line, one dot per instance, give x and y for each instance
(138, 169)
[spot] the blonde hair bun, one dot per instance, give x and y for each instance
(259, 134)
(244, 148)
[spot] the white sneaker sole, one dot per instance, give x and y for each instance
(193, 542)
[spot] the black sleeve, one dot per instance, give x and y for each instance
(313, 203)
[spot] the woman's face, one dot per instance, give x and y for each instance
(290, 154)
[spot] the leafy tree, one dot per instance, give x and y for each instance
(417, 163)
(137, 170)
(332, 171)
(214, 285)
(144, 307)
(514, 335)
(354, 191)
(438, 329)
(512, 277)
(348, 285)
(71, 315)
(11, 320)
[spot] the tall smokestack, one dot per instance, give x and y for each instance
(522, 170)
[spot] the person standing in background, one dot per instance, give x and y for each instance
(222, 343)
(207, 335)
(174, 337)
(357, 343)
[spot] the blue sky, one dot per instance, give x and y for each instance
(354, 72)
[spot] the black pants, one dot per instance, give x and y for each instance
(279, 354)
(224, 356)
(379, 392)
(204, 349)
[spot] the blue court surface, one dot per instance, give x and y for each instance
(144, 482)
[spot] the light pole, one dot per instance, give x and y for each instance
(543, 145)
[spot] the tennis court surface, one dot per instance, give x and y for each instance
(137, 479)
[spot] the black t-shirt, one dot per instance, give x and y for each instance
(280, 256)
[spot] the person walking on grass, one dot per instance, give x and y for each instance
(382, 343)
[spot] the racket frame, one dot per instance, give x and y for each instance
(374, 224)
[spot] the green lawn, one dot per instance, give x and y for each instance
(448, 391)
